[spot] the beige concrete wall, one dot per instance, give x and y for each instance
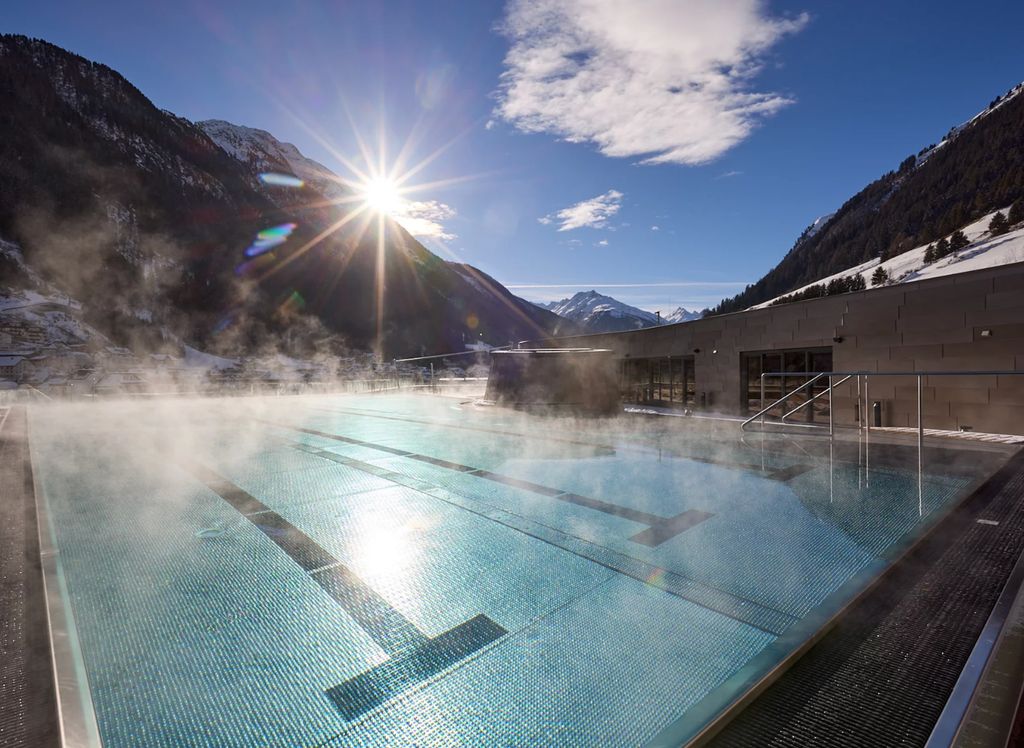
(928, 325)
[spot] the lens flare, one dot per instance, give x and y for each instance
(281, 180)
(225, 322)
(293, 303)
(270, 238)
(263, 262)
(656, 578)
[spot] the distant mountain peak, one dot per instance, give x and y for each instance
(595, 312)
(681, 314)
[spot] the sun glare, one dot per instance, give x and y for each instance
(381, 195)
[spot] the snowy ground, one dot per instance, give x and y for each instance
(984, 251)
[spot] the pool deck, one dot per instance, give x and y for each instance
(28, 701)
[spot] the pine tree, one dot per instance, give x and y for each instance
(1017, 212)
(930, 255)
(881, 276)
(857, 282)
(958, 240)
(998, 225)
(942, 248)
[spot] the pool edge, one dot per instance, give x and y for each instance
(76, 714)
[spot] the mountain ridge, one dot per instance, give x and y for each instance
(977, 167)
(127, 207)
(596, 312)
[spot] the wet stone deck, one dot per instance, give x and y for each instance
(28, 707)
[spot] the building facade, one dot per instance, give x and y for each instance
(960, 323)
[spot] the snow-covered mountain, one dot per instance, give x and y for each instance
(168, 234)
(596, 312)
(681, 314)
(975, 168)
(984, 251)
(261, 152)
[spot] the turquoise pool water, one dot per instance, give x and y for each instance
(408, 570)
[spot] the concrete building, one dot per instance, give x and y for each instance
(966, 322)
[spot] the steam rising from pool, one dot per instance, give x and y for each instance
(445, 509)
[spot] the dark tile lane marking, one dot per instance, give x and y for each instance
(740, 609)
(414, 656)
(369, 689)
(660, 529)
(788, 473)
(393, 632)
(782, 475)
(600, 449)
(658, 534)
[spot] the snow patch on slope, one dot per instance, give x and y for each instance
(984, 251)
(262, 152)
(198, 359)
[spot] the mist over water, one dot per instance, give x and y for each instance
(621, 556)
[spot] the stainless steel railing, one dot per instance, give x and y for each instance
(862, 379)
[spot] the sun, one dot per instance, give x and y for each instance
(382, 196)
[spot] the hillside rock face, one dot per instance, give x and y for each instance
(146, 218)
(976, 168)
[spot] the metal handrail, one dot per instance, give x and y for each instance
(828, 391)
(782, 399)
(867, 375)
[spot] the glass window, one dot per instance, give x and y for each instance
(802, 364)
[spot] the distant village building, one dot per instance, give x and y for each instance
(12, 368)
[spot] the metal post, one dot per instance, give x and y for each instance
(867, 421)
(831, 426)
(920, 419)
(860, 411)
(921, 450)
(831, 472)
(762, 402)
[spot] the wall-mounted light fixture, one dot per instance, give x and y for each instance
(837, 339)
(986, 333)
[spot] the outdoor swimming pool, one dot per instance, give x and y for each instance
(400, 569)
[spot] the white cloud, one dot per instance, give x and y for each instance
(728, 174)
(664, 79)
(602, 243)
(424, 218)
(655, 228)
(593, 213)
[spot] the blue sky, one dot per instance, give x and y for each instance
(664, 152)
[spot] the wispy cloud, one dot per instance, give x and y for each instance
(727, 174)
(424, 219)
(593, 213)
(655, 228)
(662, 79)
